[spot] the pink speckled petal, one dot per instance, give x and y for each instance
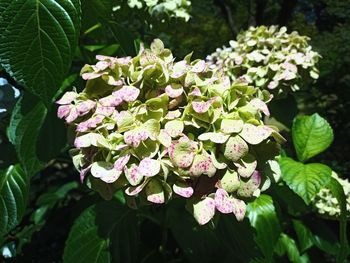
(183, 189)
(102, 57)
(202, 164)
(121, 162)
(164, 138)
(204, 210)
(63, 111)
(105, 111)
(132, 190)
(256, 178)
(67, 98)
(149, 167)
(260, 105)
(154, 192)
(223, 203)
(84, 141)
(172, 115)
(239, 209)
(255, 134)
(199, 67)
(124, 60)
(110, 101)
(200, 106)
(133, 175)
(83, 173)
(174, 128)
(90, 123)
(127, 93)
(195, 92)
(273, 84)
(105, 171)
(173, 92)
(91, 75)
(101, 65)
(85, 106)
(73, 115)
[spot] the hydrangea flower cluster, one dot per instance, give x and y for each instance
(327, 204)
(269, 58)
(172, 8)
(160, 129)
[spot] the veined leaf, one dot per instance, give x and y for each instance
(105, 232)
(311, 135)
(305, 180)
(36, 133)
(263, 218)
(305, 236)
(14, 188)
(23, 131)
(37, 42)
(287, 245)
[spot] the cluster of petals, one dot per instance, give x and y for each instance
(268, 58)
(157, 129)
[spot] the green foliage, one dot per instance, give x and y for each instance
(14, 191)
(286, 245)
(311, 135)
(23, 131)
(263, 218)
(43, 37)
(104, 232)
(210, 141)
(305, 179)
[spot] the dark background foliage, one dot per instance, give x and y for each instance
(55, 191)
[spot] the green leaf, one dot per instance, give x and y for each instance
(14, 189)
(238, 239)
(23, 131)
(105, 232)
(198, 243)
(262, 216)
(305, 236)
(306, 180)
(37, 42)
(311, 135)
(52, 137)
(37, 134)
(287, 245)
(338, 191)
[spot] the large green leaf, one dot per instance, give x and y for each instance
(198, 243)
(37, 134)
(311, 135)
(14, 188)
(305, 180)
(338, 191)
(304, 235)
(238, 239)
(262, 216)
(37, 42)
(23, 131)
(105, 232)
(287, 246)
